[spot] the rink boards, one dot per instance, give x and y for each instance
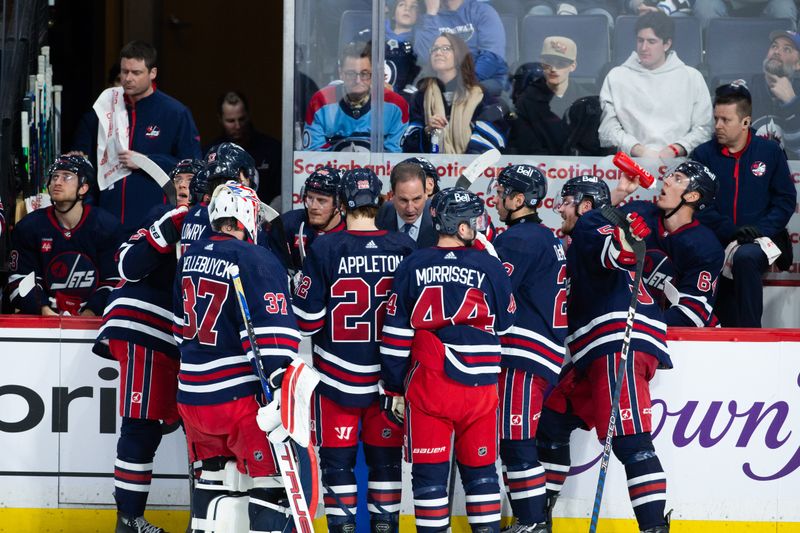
(726, 425)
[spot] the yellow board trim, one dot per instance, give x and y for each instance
(103, 520)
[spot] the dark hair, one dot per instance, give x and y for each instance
(365, 211)
(465, 65)
(735, 93)
(658, 21)
(113, 74)
(358, 50)
(232, 98)
(140, 50)
(407, 172)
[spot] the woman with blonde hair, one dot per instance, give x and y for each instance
(451, 113)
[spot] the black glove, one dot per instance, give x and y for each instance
(747, 234)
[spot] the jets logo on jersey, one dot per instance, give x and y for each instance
(72, 270)
(758, 168)
(152, 131)
(47, 245)
(509, 268)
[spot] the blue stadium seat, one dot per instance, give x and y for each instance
(688, 41)
(512, 39)
(736, 47)
(351, 23)
(590, 33)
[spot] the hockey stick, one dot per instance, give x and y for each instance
(286, 460)
(618, 219)
(155, 172)
(477, 167)
(301, 244)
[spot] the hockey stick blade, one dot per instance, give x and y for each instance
(155, 172)
(283, 452)
(26, 284)
(478, 167)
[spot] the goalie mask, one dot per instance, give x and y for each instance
(232, 200)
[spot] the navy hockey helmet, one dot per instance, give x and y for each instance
(526, 179)
(324, 180)
(587, 186)
(702, 180)
(77, 164)
(226, 160)
(186, 166)
(428, 168)
(198, 187)
(360, 187)
(454, 205)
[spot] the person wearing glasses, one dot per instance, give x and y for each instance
(451, 113)
(338, 117)
(654, 105)
(68, 247)
(756, 199)
(539, 127)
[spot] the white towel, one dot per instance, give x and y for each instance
(112, 136)
(769, 248)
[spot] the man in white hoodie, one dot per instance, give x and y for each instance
(653, 104)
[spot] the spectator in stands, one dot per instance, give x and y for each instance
(653, 104)
(160, 127)
(67, 248)
(756, 199)
(234, 117)
(338, 117)
(479, 25)
(705, 10)
(539, 127)
(451, 113)
(607, 8)
(776, 107)
(409, 209)
(675, 8)
(400, 59)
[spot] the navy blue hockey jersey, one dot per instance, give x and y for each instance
(599, 294)
(293, 236)
(341, 300)
(213, 342)
(140, 309)
(196, 226)
(74, 268)
(463, 295)
(536, 263)
(693, 260)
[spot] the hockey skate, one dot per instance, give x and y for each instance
(661, 529)
(532, 528)
(126, 524)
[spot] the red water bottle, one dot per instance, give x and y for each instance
(630, 167)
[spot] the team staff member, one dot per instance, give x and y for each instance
(353, 269)
(409, 209)
(756, 198)
(440, 357)
(533, 349)
(600, 264)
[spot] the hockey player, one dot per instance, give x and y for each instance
(69, 247)
(599, 272)
(319, 215)
(217, 385)
(341, 300)
(680, 250)
(440, 357)
(223, 162)
(182, 176)
(137, 332)
(533, 349)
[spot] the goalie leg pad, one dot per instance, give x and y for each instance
(339, 484)
(385, 487)
(482, 495)
(524, 479)
(269, 509)
(209, 486)
(647, 483)
(297, 388)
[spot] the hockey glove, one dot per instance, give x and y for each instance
(637, 230)
(393, 405)
(269, 420)
(747, 234)
(166, 231)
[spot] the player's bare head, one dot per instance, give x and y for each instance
(409, 187)
(68, 180)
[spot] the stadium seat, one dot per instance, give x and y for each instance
(688, 41)
(736, 47)
(590, 33)
(512, 40)
(351, 23)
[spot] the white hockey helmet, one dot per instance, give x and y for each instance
(233, 200)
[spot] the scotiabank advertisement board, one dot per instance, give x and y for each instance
(726, 422)
(557, 169)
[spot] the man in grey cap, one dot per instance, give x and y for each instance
(539, 127)
(776, 107)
